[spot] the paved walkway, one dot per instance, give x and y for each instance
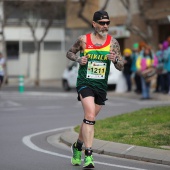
(133, 95)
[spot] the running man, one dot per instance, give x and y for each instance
(97, 50)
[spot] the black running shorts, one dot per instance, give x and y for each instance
(85, 91)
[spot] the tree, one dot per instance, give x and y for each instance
(143, 7)
(82, 7)
(41, 9)
(146, 36)
(39, 14)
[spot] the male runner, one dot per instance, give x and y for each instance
(97, 51)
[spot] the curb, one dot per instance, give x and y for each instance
(153, 155)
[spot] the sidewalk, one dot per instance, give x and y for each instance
(158, 156)
(133, 95)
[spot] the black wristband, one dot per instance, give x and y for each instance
(116, 60)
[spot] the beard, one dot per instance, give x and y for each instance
(102, 32)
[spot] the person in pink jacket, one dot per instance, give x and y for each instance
(145, 62)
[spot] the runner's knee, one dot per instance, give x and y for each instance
(90, 117)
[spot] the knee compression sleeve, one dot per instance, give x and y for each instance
(89, 122)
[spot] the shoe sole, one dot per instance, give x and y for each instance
(90, 166)
(72, 153)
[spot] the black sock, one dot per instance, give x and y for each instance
(88, 151)
(79, 145)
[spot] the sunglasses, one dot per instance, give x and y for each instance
(103, 22)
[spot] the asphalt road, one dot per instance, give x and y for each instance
(27, 120)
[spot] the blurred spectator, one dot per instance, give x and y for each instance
(145, 68)
(166, 56)
(168, 39)
(2, 65)
(166, 67)
(159, 80)
(142, 46)
(135, 75)
(127, 67)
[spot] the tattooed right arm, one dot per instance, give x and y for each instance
(71, 54)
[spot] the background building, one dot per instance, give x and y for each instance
(131, 21)
(144, 20)
(20, 43)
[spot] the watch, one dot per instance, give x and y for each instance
(116, 60)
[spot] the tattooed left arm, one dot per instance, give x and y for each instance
(115, 48)
(71, 54)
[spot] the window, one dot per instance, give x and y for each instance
(12, 50)
(28, 47)
(52, 46)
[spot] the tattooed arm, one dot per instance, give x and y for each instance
(77, 46)
(115, 48)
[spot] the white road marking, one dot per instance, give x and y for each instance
(27, 141)
(13, 103)
(13, 109)
(37, 94)
(61, 94)
(49, 107)
(9, 103)
(115, 104)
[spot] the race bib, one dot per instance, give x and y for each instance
(96, 70)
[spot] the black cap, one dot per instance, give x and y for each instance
(99, 15)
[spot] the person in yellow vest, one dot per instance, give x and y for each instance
(97, 50)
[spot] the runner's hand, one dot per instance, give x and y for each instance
(112, 56)
(83, 60)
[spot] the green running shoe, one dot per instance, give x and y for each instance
(76, 159)
(88, 162)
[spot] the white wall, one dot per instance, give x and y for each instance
(18, 67)
(24, 34)
(52, 65)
